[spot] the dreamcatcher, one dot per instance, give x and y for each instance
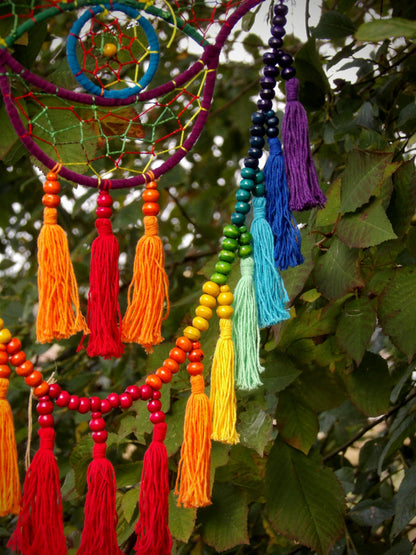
(106, 119)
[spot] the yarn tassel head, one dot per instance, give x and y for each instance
(152, 528)
(9, 471)
(222, 397)
(193, 479)
(99, 533)
(40, 528)
(286, 234)
(270, 291)
(103, 315)
(148, 291)
(305, 192)
(246, 333)
(59, 314)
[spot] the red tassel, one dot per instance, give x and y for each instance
(99, 535)
(40, 528)
(153, 536)
(104, 315)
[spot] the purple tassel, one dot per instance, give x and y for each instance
(301, 175)
(283, 224)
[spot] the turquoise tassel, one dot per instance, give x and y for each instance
(284, 227)
(270, 292)
(246, 333)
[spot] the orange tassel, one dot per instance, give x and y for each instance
(9, 472)
(59, 314)
(193, 481)
(148, 291)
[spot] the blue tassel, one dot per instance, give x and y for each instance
(284, 227)
(270, 292)
(246, 333)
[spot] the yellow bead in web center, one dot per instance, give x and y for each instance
(110, 50)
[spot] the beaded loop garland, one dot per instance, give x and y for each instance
(118, 133)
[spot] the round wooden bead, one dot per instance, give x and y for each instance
(95, 403)
(151, 185)
(197, 355)
(203, 312)
(177, 354)
(225, 298)
(223, 267)
(238, 218)
(4, 357)
(227, 256)
(229, 245)
(105, 406)
(134, 391)
(154, 405)
(244, 251)
(154, 381)
(51, 187)
(196, 345)
(184, 343)
(225, 311)
(73, 402)
(192, 333)
(242, 207)
(44, 407)
(246, 238)
(260, 190)
(249, 173)
(231, 231)
(171, 365)
(150, 195)
(195, 368)
(207, 300)
(34, 379)
(100, 437)
(114, 400)
(63, 399)
(110, 50)
(150, 209)
(224, 288)
(51, 201)
(54, 389)
(14, 345)
(220, 279)
(146, 392)
(4, 371)
(243, 195)
(157, 417)
(97, 424)
(103, 212)
(104, 200)
(84, 405)
(247, 185)
(17, 359)
(95, 414)
(164, 374)
(52, 176)
(46, 421)
(211, 288)
(200, 323)
(125, 401)
(41, 390)
(156, 395)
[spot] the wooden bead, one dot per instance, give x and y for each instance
(18, 358)
(113, 399)
(225, 298)
(150, 209)
(4, 371)
(51, 201)
(44, 407)
(154, 405)
(51, 187)
(84, 405)
(104, 200)
(225, 311)
(200, 323)
(177, 354)
(52, 176)
(105, 406)
(151, 185)
(195, 368)
(164, 374)
(14, 345)
(34, 379)
(5, 336)
(54, 390)
(171, 365)
(146, 392)
(25, 369)
(208, 300)
(125, 401)
(46, 421)
(62, 399)
(73, 402)
(97, 424)
(150, 195)
(110, 50)
(211, 288)
(41, 389)
(192, 333)
(197, 355)
(95, 403)
(184, 343)
(103, 212)
(134, 391)
(100, 437)
(4, 357)
(203, 312)
(156, 395)
(157, 417)
(224, 288)
(154, 381)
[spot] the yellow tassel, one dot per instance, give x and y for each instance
(148, 291)
(193, 481)
(9, 472)
(59, 314)
(223, 400)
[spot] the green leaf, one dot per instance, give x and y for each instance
(372, 512)
(255, 428)
(304, 500)
(397, 310)
(295, 278)
(366, 228)
(317, 397)
(372, 375)
(364, 171)
(356, 326)
(405, 502)
(337, 272)
(311, 75)
(279, 373)
(224, 523)
(383, 29)
(403, 427)
(129, 503)
(330, 213)
(79, 460)
(181, 521)
(297, 423)
(403, 203)
(334, 25)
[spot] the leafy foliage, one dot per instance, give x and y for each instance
(327, 457)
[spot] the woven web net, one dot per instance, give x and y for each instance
(122, 88)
